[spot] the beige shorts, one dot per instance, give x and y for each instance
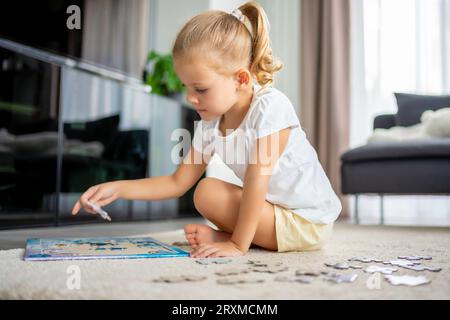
(297, 234)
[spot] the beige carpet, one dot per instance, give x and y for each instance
(133, 279)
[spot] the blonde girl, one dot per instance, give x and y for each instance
(286, 202)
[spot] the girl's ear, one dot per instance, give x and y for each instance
(242, 78)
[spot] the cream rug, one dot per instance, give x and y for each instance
(133, 279)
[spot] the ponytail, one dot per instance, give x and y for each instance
(263, 65)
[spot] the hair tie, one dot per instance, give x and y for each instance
(237, 13)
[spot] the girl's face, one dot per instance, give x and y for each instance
(212, 94)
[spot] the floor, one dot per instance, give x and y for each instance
(142, 278)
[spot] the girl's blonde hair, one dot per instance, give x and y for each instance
(228, 43)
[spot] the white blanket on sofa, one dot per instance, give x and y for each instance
(433, 124)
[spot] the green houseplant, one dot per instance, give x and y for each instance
(161, 76)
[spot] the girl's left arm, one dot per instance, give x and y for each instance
(266, 154)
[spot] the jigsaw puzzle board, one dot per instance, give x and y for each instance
(99, 248)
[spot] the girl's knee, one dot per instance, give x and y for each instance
(201, 194)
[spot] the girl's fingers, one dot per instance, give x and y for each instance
(105, 201)
(217, 254)
(204, 251)
(87, 195)
(97, 196)
(76, 208)
(207, 253)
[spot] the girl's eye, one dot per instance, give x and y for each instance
(201, 90)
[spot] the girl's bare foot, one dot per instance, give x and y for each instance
(200, 233)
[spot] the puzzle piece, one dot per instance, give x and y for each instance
(419, 267)
(365, 259)
(412, 265)
(231, 272)
(207, 261)
(269, 269)
(415, 257)
(383, 270)
(406, 280)
(266, 266)
(328, 273)
(306, 273)
(432, 269)
(339, 278)
(180, 278)
(342, 266)
(301, 279)
(401, 262)
(260, 263)
(238, 280)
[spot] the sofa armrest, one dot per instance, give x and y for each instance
(384, 121)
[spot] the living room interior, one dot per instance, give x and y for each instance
(82, 103)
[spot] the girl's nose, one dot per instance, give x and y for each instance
(191, 98)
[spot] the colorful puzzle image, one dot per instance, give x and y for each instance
(99, 248)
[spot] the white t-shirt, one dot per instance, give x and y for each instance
(298, 181)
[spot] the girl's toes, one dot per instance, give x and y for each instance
(192, 239)
(190, 228)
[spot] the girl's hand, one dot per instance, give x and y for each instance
(101, 194)
(216, 249)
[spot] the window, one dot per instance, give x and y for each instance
(397, 46)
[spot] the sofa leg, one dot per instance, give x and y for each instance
(381, 209)
(356, 209)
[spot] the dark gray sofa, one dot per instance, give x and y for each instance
(409, 167)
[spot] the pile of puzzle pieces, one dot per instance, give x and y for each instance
(406, 262)
(246, 273)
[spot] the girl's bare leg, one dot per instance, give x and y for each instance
(219, 201)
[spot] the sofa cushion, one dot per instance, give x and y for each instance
(411, 106)
(433, 148)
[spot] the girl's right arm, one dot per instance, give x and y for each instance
(155, 188)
